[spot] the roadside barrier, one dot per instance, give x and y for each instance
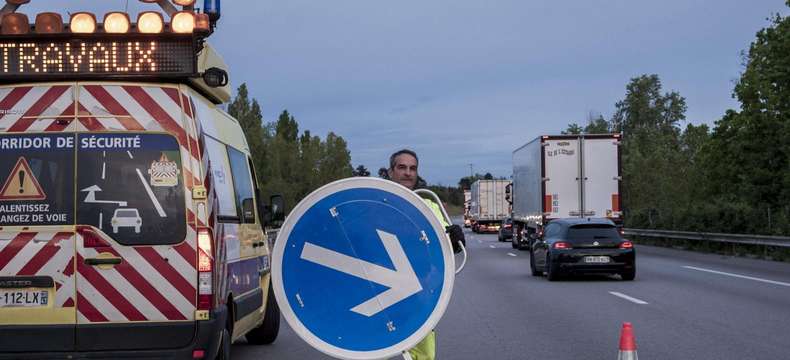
(765, 240)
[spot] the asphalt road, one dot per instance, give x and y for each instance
(694, 306)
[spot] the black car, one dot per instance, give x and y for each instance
(506, 230)
(582, 246)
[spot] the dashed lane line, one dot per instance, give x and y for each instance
(492, 246)
(739, 276)
(512, 254)
(629, 298)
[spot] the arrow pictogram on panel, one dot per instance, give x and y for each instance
(21, 184)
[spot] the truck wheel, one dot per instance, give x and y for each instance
(532, 267)
(224, 345)
(267, 332)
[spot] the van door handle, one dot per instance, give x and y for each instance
(103, 261)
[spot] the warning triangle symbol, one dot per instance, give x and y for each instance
(21, 184)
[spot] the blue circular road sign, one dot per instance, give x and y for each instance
(362, 269)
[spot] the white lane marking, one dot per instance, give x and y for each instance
(103, 170)
(492, 246)
(101, 215)
(151, 195)
(130, 154)
(631, 299)
(479, 241)
(739, 276)
(512, 254)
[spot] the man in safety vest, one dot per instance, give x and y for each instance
(403, 170)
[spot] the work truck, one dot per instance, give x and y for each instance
(488, 207)
(564, 176)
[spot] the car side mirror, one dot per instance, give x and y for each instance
(248, 210)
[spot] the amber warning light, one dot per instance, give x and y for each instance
(63, 57)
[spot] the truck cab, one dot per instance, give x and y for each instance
(130, 216)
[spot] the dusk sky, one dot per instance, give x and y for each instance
(462, 81)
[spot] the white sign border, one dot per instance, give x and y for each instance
(281, 243)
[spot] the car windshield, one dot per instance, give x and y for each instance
(592, 232)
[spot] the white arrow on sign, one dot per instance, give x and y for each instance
(91, 198)
(402, 281)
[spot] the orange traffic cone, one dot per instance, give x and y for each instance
(627, 343)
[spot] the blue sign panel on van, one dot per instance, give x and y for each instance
(362, 269)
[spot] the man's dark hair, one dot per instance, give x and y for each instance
(401, 152)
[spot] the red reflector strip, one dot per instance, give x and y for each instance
(615, 202)
(547, 203)
(204, 302)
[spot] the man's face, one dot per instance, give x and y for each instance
(405, 171)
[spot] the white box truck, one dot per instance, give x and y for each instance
(488, 206)
(467, 203)
(564, 176)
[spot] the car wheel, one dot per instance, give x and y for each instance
(552, 274)
(532, 267)
(629, 275)
(224, 345)
(513, 243)
(499, 237)
(267, 332)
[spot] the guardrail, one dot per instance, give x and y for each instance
(764, 240)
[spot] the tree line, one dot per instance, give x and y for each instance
(733, 177)
(288, 162)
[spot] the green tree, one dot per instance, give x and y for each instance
(383, 173)
(748, 158)
(651, 158)
(573, 129)
(361, 170)
(596, 125)
(466, 182)
(248, 113)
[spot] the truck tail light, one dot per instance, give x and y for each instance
(205, 266)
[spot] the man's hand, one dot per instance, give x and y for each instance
(456, 237)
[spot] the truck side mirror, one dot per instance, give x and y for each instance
(277, 208)
(248, 210)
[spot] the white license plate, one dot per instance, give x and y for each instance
(23, 298)
(596, 259)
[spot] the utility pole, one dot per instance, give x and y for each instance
(471, 172)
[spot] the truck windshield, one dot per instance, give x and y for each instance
(130, 186)
(127, 185)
